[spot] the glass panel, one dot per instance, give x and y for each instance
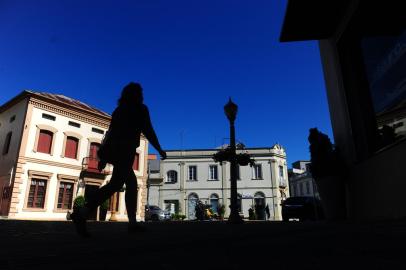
(385, 65)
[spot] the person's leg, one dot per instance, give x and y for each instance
(131, 192)
(80, 215)
(105, 192)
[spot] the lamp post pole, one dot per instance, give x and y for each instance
(230, 110)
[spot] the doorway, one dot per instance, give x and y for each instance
(89, 193)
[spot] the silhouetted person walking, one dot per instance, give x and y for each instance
(129, 119)
(268, 213)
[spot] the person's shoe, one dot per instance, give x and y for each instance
(80, 223)
(135, 228)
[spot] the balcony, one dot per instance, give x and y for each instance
(90, 164)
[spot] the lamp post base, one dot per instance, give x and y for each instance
(235, 219)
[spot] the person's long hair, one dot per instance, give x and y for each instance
(131, 95)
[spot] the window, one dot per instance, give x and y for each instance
(136, 164)
(74, 124)
(257, 171)
(7, 142)
(214, 202)
(192, 173)
(172, 206)
(45, 141)
(301, 189)
(65, 195)
(36, 196)
(96, 130)
(48, 117)
(12, 118)
(384, 64)
(71, 147)
(213, 175)
(172, 176)
(281, 172)
(93, 161)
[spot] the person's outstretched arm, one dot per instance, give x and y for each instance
(149, 132)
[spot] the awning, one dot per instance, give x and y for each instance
(315, 20)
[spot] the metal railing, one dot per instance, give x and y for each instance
(90, 164)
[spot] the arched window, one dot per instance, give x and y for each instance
(71, 147)
(45, 141)
(172, 176)
(214, 202)
(259, 198)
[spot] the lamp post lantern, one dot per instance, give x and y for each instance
(231, 109)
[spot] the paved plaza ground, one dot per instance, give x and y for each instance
(204, 245)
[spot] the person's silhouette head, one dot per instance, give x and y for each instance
(131, 94)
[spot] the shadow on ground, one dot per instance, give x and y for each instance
(203, 245)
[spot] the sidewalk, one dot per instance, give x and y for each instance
(204, 245)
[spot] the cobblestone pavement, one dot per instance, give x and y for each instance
(203, 245)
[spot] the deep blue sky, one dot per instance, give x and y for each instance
(190, 56)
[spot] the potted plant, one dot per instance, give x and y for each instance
(103, 210)
(79, 202)
(328, 171)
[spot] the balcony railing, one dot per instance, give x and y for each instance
(90, 164)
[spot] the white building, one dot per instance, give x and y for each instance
(191, 175)
(301, 181)
(48, 157)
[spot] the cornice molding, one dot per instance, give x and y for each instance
(65, 111)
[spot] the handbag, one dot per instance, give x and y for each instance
(106, 149)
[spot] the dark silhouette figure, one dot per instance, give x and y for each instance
(268, 213)
(199, 210)
(129, 119)
(251, 214)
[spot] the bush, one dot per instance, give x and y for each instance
(178, 217)
(221, 210)
(79, 202)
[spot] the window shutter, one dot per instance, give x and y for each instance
(136, 163)
(71, 147)
(45, 141)
(94, 147)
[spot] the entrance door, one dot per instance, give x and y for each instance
(192, 202)
(89, 193)
(259, 199)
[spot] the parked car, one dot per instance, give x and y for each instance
(302, 208)
(154, 213)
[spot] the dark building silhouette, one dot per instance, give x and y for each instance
(363, 51)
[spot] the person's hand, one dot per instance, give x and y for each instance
(163, 154)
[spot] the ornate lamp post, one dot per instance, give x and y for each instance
(229, 154)
(231, 109)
